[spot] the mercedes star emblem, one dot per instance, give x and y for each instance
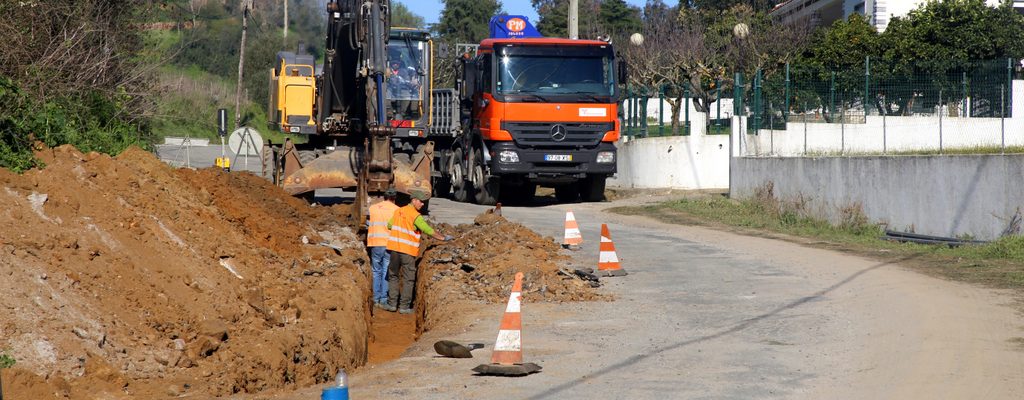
(558, 132)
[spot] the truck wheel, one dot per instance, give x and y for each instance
(487, 189)
(592, 188)
(569, 193)
(460, 186)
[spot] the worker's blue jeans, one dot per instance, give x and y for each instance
(379, 260)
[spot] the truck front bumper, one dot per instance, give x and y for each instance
(551, 164)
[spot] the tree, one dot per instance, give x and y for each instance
(944, 34)
(618, 18)
(403, 16)
(466, 21)
(554, 18)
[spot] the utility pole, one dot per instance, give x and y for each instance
(246, 7)
(286, 19)
(574, 19)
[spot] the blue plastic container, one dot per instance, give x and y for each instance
(334, 393)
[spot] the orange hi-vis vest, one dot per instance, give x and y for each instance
(404, 236)
(377, 235)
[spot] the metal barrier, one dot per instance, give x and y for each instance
(445, 113)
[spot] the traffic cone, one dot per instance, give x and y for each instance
(507, 357)
(608, 261)
(573, 237)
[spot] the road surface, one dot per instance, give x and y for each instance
(705, 314)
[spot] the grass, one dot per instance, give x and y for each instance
(997, 264)
(189, 102)
(6, 361)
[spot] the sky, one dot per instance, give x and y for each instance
(431, 9)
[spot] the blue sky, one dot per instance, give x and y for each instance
(431, 9)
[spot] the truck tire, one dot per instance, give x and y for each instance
(569, 193)
(486, 189)
(461, 188)
(592, 188)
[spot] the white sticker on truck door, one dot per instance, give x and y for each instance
(593, 112)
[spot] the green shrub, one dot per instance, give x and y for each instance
(91, 121)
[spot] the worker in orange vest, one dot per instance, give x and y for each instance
(377, 235)
(406, 225)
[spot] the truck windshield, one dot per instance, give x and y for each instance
(587, 78)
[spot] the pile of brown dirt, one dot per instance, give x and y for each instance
(125, 278)
(480, 264)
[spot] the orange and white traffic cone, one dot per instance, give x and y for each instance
(507, 357)
(573, 237)
(608, 261)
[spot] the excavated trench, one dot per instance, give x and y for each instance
(126, 278)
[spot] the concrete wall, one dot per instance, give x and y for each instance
(973, 195)
(679, 162)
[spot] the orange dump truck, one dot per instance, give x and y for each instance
(532, 111)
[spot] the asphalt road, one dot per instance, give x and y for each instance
(705, 314)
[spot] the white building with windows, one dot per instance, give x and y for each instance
(878, 12)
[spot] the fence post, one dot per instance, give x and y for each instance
(737, 95)
(963, 90)
(718, 102)
(661, 110)
(645, 101)
(867, 84)
(771, 129)
(686, 108)
(940, 121)
(805, 128)
(1002, 119)
(884, 132)
(758, 103)
(785, 111)
(1009, 81)
(832, 97)
(842, 123)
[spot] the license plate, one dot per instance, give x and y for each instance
(295, 129)
(558, 157)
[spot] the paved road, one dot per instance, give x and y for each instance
(705, 314)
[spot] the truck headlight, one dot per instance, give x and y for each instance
(508, 156)
(605, 157)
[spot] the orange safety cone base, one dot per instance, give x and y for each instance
(608, 263)
(507, 370)
(572, 236)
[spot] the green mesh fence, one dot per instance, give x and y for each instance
(819, 94)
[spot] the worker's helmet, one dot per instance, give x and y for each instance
(390, 193)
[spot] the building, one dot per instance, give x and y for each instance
(878, 12)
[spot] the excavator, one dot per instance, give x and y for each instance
(342, 113)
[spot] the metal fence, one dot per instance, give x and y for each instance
(637, 110)
(822, 94)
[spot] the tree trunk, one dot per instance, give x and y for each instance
(241, 65)
(674, 106)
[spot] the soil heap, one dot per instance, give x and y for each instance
(480, 263)
(125, 278)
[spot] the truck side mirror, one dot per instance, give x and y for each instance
(623, 72)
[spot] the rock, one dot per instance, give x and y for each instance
(216, 329)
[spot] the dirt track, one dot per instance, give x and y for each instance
(708, 314)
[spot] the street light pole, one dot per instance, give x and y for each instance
(574, 19)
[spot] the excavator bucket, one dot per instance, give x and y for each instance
(415, 175)
(336, 169)
(340, 169)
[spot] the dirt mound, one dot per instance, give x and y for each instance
(480, 264)
(125, 278)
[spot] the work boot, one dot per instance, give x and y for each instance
(389, 308)
(405, 311)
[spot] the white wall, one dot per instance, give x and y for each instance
(680, 162)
